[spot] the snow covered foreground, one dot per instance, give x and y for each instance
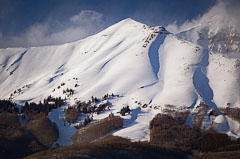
(141, 64)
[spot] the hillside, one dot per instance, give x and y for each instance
(146, 68)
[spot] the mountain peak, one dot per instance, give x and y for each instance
(130, 21)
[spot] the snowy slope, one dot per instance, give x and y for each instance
(137, 62)
(222, 45)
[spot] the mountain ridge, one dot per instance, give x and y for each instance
(139, 63)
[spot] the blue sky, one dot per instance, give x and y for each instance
(46, 22)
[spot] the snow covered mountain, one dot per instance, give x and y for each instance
(141, 64)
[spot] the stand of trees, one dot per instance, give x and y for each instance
(85, 122)
(125, 110)
(48, 104)
(172, 134)
(35, 133)
(97, 130)
(8, 106)
(73, 112)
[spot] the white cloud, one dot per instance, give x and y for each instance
(86, 17)
(83, 24)
(222, 15)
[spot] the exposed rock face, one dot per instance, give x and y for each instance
(97, 130)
